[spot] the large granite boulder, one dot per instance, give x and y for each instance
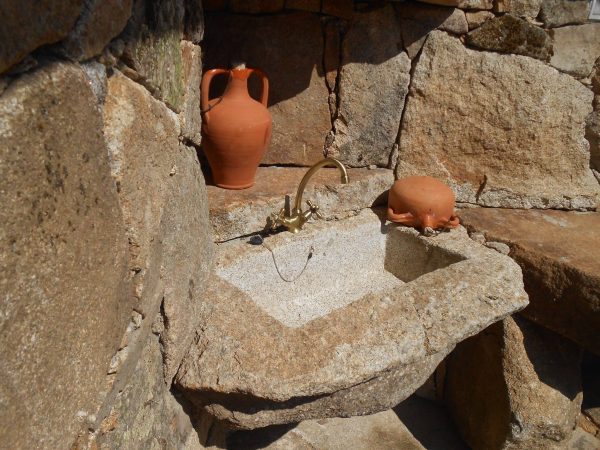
(576, 48)
(65, 299)
(520, 8)
(345, 318)
(558, 252)
(298, 95)
(27, 25)
(508, 134)
(189, 117)
(515, 386)
(152, 49)
(163, 198)
(373, 83)
(146, 415)
(99, 23)
(418, 20)
(557, 13)
(511, 34)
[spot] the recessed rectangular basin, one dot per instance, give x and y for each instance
(297, 278)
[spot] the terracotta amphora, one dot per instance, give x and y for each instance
(236, 129)
(422, 202)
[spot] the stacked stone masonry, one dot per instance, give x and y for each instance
(105, 226)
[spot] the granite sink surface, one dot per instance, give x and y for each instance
(345, 318)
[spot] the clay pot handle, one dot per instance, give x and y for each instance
(205, 89)
(264, 95)
(404, 218)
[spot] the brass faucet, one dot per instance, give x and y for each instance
(294, 219)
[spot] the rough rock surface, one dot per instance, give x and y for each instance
(255, 362)
(576, 48)
(592, 134)
(29, 25)
(99, 23)
(463, 4)
(511, 34)
(63, 259)
(418, 20)
(520, 8)
(373, 83)
(163, 198)
(190, 118)
(256, 6)
(153, 49)
(239, 213)
(298, 95)
(477, 18)
(515, 386)
(556, 13)
(146, 415)
(558, 252)
(381, 431)
(498, 135)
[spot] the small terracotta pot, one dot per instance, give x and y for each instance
(236, 129)
(422, 202)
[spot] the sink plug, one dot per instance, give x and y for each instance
(294, 218)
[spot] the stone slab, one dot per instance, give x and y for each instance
(557, 13)
(511, 34)
(250, 368)
(239, 213)
(558, 252)
(29, 25)
(99, 23)
(576, 48)
(509, 135)
(65, 299)
(146, 415)
(373, 83)
(419, 19)
(163, 198)
(152, 50)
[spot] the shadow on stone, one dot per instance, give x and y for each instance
(430, 424)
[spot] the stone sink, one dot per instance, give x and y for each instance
(345, 318)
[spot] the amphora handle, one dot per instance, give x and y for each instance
(205, 89)
(264, 94)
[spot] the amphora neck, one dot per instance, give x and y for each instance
(238, 83)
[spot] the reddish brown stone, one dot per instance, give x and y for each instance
(304, 5)
(256, 6)
(558, 252)
(338, 8)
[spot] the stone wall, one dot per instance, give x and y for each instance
(105, 242)
(495, 98)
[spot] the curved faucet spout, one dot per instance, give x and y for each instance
(294, 219)
(325, 162)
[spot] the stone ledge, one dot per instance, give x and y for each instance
(239, 213)
(558, 252)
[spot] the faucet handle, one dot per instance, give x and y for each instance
(314, 209)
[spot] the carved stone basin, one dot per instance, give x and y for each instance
(345, 318)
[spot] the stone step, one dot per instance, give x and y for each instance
(559, 252)
(236, 213)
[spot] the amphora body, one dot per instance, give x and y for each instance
(236, 129)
